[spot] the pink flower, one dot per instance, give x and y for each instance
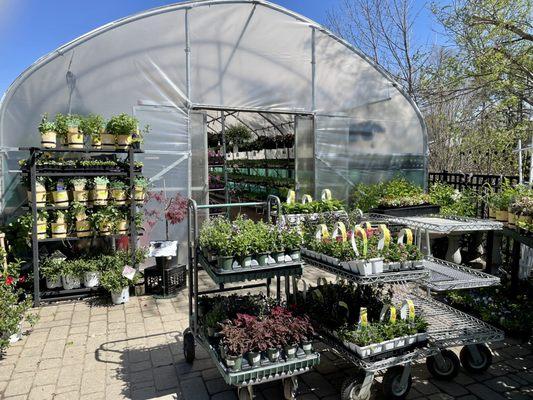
(9, 280)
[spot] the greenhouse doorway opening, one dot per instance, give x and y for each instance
(253, 154)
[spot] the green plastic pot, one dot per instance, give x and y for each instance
(294, 255)
(262, 259)
(245, 261)
(225, 262)
(290, 351)
(254, 358)
(234, 363)
(279, 256)
(273, 354)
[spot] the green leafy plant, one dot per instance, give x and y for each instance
(112, 279)
(140, 181)
(78, 183)
(92, 125)
(117, 185)
(46, 125)
(61, 122)
(100, 181)
(237, 134)
(122, 124)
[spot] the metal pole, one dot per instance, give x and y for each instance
(531, 162)
(34, 239)
(313, 69)
(520, 176)
(223, 123)
(133, 209)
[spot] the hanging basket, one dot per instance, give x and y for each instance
(96, 142)
(83, 229)
(122, 227)
(81, 196)
(105, 229)
(99, 196)
(40, 198)
(123, 142)
(41, 229)
(59, 230)
(119, 196)
(139, 193)
(60, 198)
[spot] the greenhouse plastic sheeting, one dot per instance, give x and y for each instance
(248, 55)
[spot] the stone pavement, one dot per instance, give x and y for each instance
(88, 350)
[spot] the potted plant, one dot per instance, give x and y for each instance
(140, 183)
(212, 319)
(116, 282)
(291, 241)
(79, 192)
(118, 192)
(243, 237)
(278, 251)
(121, 224)
(71, 274)
(138, 137)
(393, 257)
(82, 223)
(415, 256)
(48, 133)
(104, 219)
(100, 193)
(234, 339)
(74, 136)
(91, 272)
(264, 242)
(93, 126)
(122, 126)
(40, 191)
(60, 194)
(59, 227)
(61, 122)
(51, 268)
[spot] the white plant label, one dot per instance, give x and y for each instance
(128, 272)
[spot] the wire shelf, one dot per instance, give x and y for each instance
(439, 223)
(445, 275)
(385, 277)
(295, 219)
(449, 327)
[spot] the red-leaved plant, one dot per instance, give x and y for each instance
(173, 209)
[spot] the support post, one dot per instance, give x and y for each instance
(520, 175)
(34, 239)
(133, 208)
(223, 127)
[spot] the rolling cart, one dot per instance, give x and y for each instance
(247, 377)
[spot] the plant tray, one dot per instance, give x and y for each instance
(315, 259)
(295, 219)
(408, 211)
(267, 372)
(250, 273)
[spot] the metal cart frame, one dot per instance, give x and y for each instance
(246, 378)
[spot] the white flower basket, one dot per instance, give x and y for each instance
(406, 265)
(53, 283)
(389, 345)
(91, 279)
(121, 297)
(71, 282)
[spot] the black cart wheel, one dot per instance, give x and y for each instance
(290, 388)
(351, 390)
(476, 366)
(446, 370)
(392, 386)
(188, 347)
(245, 393)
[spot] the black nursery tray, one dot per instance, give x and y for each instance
(250, 273)
(409, 211)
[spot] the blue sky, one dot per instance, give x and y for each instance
(30, 29)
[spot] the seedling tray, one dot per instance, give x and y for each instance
(384, 277)
(295, 219)
(408, 211)
(250, 273)
(267, 372)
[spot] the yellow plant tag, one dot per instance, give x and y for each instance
(291, 197)
(326, 195)
(306, 199)
(405, 234)
(322, 232)
(339, 229)
(365, 241)
(407, 310)
(363, 317)
(384, 237)
(388, 311)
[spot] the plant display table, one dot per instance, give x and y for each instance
(437, 225)
(285, 369)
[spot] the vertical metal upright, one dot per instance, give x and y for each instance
(223, 131)
(133, 207)
(34, 237)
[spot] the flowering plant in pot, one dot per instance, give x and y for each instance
(115, 282)
(118, 192)
(100, 193)
(264, 242)
(122, 126)
(60, 194)
(414, 255)
(93, 126)
(242, 233)
(14, 304)
(215, 242)
(79, 192)
(48, 132)
(104, 219)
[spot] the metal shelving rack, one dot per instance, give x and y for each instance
(33, 172)
(245, 379)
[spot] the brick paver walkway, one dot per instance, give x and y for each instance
(86, 350)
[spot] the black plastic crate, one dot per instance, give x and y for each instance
(165, 282)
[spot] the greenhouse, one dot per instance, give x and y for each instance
(223, 199)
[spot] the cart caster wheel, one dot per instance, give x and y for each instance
(473, 365)
(392, 387)
(188, 347)
(290, 387)
(351, 390)
(448, 370)
(245, 393)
